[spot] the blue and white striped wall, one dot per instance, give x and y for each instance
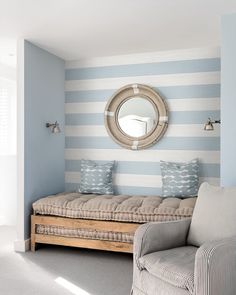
(189, 80)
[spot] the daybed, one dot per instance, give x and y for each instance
(105, 222)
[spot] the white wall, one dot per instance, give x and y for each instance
(8, 189)
(8, 145)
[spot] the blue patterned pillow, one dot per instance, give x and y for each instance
(180, 179)
(96, 178)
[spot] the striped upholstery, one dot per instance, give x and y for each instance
(150, 238)
(151, 285)
(213, 267)
(174, 266)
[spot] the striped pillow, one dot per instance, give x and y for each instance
(96, 178)
(180, 179)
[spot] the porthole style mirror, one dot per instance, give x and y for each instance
(136, 116)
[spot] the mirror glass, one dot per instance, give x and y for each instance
(137, 116)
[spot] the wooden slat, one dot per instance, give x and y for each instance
(114, 226)
(84, 243)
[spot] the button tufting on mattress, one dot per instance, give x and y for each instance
(118, 208)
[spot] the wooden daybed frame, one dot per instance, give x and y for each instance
(100, 225)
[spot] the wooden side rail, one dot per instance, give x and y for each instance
(99, 225)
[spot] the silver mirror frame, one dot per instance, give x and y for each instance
(112, 110)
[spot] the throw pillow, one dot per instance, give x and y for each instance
(180, 179)
(96, 178)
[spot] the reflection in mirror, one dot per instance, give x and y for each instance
(137, 116)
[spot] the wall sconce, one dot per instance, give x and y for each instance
(54, 127)
(209, 124)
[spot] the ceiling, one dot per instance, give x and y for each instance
(75, 29)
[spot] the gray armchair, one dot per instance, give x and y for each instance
(190, 257)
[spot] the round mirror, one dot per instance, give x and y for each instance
(136, 117)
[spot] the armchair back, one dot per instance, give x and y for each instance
(214, 215)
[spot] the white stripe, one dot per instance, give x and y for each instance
(85, 107)
(154, 80)
(174, 130)
(195, 104)
(142, 155)
(186, 104)
(147, 57)
(137, 180)
(84, 130)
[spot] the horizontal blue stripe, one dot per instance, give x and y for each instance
(156, 68)
(173, 92)
(123, 190)
(192, 117)
(88, 95)
(145, 168)
(183, 117)
(166, 143)
(84, 119)
(71, 187)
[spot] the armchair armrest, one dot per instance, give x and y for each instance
(157, 236)
(215, 268)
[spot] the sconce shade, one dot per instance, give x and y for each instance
(209, 124)
(54, 127)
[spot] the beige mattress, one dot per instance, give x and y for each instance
(84, 233)
(124, 208)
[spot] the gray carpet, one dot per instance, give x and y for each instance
(62, 270)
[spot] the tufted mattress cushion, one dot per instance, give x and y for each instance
(116, 208)
(85, 233)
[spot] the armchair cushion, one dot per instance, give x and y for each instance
(174, 266)
(214, 215)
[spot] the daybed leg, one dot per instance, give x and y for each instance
(32, 233)
(32, 245)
